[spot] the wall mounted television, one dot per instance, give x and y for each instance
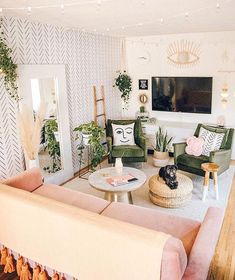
(182, 94)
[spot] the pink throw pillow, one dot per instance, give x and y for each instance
(194, 146)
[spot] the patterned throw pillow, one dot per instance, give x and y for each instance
(123, 134)
(212, 141)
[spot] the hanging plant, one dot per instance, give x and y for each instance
(7, 66)
(124, 83)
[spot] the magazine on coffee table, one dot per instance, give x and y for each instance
(116, 181)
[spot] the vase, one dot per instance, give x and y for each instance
(32, 163)
(118, 165)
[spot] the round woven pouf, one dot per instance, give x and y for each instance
(163, 196)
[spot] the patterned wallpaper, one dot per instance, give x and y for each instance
(90, 59)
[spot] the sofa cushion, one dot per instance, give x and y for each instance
(127, 151)
(174, 260)
(192, 161)
(28, 180)
(182, 228)
(75, 198)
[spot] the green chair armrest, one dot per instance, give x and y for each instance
(220, 157)
(179, 149)
(141, 141)
(109, 143)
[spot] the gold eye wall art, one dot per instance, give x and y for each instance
(183, 53)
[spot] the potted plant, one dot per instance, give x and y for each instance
(124, 83)
(7, 67)
(94, 134)
(52, 146)
(161, 155)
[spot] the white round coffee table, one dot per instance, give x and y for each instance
(120, 193)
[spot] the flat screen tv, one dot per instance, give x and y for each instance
(182, 94)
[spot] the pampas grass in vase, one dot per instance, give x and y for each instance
(30, 132)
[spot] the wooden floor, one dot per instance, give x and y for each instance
(223, 264)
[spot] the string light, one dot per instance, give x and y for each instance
(99, 2)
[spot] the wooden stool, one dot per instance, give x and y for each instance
(213, 168)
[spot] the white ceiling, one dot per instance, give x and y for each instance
(129, 17)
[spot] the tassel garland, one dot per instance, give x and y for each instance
(25, 273)
(23, 269)
(55, 277)
(4, 253)
(19, 264)
(9, 267)
(43, 275)
(36, 272)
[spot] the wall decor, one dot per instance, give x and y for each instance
(183, 53)
(143, 84)
(143, 98)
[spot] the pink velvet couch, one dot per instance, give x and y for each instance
(187, 253)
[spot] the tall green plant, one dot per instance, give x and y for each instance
(97, 149)
(7, 66)
(162, 141)
(52, 146)
(124, 83)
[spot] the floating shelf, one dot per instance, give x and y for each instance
(226, 71)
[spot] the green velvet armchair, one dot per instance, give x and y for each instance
(128, 153)
(221, 157)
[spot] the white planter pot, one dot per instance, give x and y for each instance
(57, 136)
(160, 159)
(86, 138)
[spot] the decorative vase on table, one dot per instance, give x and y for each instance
(118, 165)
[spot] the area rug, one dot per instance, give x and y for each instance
(195, 209)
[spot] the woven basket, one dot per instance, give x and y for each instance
(162, 195)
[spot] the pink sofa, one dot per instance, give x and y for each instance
(186, 255)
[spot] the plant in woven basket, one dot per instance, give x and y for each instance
(8, 67)
(161, 156)
(124, 83)
(162, 141)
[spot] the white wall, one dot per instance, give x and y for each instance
(212, 59)
(212, 45)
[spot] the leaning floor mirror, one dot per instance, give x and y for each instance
(42, 90)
